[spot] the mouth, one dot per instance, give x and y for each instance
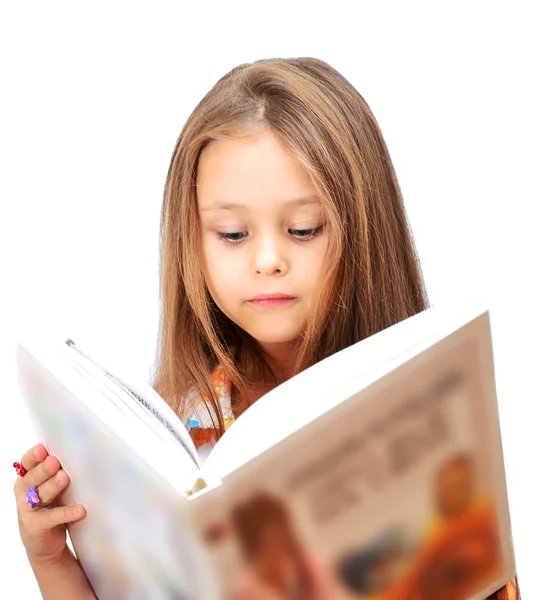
(274, 299)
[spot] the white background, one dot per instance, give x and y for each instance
(94, 96)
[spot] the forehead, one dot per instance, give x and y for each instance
(250, 170)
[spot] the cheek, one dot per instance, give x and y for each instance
(312, 263)
(221, 273)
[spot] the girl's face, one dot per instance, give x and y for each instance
(263, 237)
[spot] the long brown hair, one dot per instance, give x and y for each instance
(373, 278)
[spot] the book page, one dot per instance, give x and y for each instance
(401, 489)
(140, 399)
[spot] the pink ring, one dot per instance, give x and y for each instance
(32, 498)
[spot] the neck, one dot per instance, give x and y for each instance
(282, 356)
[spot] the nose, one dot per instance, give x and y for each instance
(269, 256)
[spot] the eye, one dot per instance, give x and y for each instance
(306, 234)
(232, 237)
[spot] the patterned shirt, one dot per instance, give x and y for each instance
(203, 436)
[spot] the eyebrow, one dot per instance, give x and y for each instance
(222, 205)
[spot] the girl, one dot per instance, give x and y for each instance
(284, 239)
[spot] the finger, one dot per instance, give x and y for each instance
(50, 489)
(34, 456)
(48, 518)
(38, 475)
(42, 472)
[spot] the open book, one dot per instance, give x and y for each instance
(385, 459)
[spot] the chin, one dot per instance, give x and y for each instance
(275, 337)
(275, 340)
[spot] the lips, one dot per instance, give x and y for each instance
(273, 299)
